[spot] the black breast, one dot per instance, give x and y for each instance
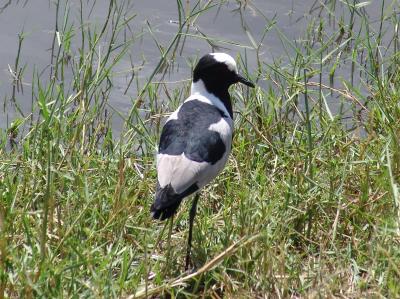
(189, 133)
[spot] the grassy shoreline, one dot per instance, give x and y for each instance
(306, 207)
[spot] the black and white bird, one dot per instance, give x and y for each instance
(196, 139)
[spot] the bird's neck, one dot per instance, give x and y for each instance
(219, 97)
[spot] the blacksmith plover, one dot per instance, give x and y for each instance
(196, 139)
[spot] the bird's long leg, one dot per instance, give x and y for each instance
(171, 221)
(192, 213)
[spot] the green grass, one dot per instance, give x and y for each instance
(308, 205)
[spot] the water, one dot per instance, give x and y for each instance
(238, 25)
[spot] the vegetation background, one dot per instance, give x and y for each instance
(308, 205)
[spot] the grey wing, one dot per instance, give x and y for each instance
(182, 172)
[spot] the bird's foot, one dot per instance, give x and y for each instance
(190, 270)
(190, 266)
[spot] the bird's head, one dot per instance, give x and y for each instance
(218, 71)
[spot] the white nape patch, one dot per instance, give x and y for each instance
(199, 92)
(227, 59)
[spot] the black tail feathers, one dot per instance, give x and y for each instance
(164, 213)
(167, 201)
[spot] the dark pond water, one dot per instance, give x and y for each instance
(232, 25)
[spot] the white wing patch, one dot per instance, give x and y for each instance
(224, 128)
(174, 115)
(182, 172)
(179, 171)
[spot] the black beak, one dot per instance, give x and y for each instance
(243, 80)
